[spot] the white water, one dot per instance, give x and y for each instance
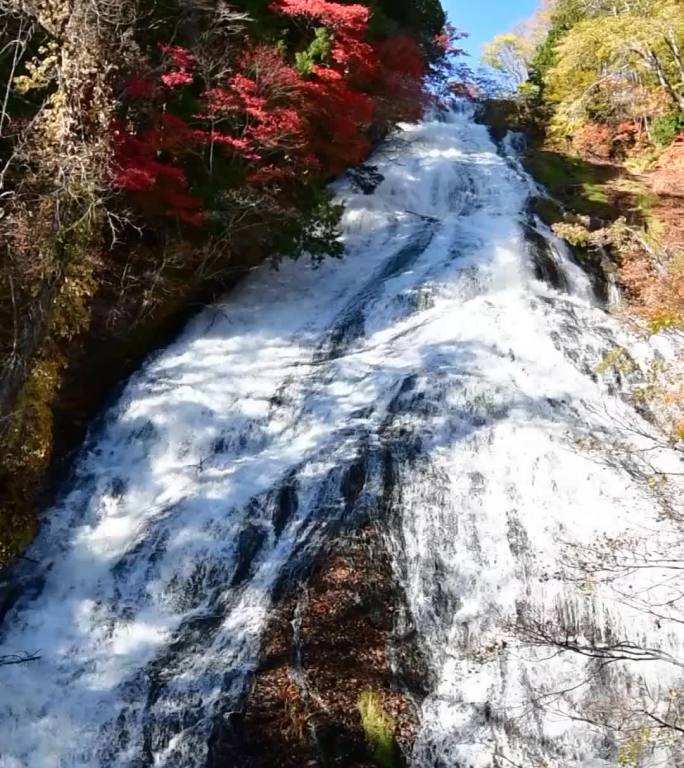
(430, 351)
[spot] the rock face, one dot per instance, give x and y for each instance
(332, 642)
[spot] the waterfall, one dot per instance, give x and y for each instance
(532, 510)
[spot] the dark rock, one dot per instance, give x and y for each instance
(250, 541)
(287, 504)
(546, 266)
(366, 178)
(14, 587)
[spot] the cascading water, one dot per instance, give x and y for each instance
(429, 377)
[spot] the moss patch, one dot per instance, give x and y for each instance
(579, 185)
(547, 210)
(379, 729)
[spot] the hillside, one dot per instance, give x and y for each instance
(599, 91)
(153, 152)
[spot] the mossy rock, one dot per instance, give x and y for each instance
(548, 210)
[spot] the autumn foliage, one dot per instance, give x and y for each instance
(276, 117)
(603, 141)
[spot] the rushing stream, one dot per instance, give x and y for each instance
(448, 375)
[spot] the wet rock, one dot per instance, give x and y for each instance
(13, 587)
(546, 267)
(250, 541)
(353, 482)
(287, 504)
(366, 178)
(330, 640)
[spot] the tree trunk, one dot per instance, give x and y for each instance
(653, 62)
(673, 45)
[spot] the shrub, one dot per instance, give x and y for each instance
(665, 129)
(658, 293)
(594, 140)
(575, 234)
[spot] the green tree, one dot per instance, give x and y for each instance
(614, 66)
(510, 54)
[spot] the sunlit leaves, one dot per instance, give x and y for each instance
(264, 116)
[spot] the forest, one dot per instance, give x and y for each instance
(601, 85)
(151, 151)
(598, 88)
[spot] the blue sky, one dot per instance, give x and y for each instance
(484, 19)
